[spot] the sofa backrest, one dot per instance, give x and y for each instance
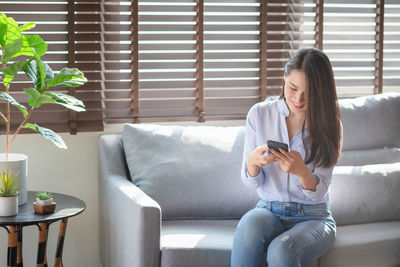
(192, 172)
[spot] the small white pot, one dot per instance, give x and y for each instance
(44, 202)
(9, 206)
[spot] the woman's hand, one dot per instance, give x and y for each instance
(291, 162)
(257, 160)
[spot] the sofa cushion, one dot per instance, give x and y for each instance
(369, 193)
(192, 171)
(199, 243)
(371, 244)
(371, 121)
(369, 156)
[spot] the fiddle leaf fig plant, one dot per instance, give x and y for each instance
(13, 44)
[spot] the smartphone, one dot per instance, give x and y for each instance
(277, 145)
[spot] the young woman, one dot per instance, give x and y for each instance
(292, 223)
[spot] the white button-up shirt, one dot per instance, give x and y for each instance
(267, 121)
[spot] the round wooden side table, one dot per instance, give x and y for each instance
(67, 206)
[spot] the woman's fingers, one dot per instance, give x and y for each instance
(278, 154)
(286, 154)
(284, 159)
(270, 159)
(262, 149)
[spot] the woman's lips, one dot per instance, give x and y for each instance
(298, 106)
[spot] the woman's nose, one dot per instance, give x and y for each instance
(300, 98)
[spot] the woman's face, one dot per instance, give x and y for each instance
(296, 92)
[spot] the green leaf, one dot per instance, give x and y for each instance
(39, 73)
(11, 71)
(36, 98)
(67, 101)
(31, 70)
(13, 31)
(48, 134)
(49, 73)
(68, 77)
(27, 26)
(31, 45)
(3, 30)
(11, 49)
(11, 100)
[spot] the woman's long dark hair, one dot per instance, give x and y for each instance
(322, 115)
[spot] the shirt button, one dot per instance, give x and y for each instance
(287, 204)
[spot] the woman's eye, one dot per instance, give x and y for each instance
(293, 89)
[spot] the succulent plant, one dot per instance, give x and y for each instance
(44, 195)
(10, 184)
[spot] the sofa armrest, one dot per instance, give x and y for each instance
(130, 221)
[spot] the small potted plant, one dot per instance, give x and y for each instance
(44, 203)
(9, 187)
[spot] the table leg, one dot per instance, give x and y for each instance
(41, 255)
(60, 244)
(12, 246)
(19, 248)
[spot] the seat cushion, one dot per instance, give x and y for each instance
(197, 242)
(362, 194)
(202, 243)
(192, 172)
(372, 244)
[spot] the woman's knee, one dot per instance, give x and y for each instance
(282, 250)
(257, 223)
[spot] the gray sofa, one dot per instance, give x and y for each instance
(172, 195)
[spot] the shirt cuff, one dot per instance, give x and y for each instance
(253, 181)
(314, 195)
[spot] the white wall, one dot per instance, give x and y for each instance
(74, 172)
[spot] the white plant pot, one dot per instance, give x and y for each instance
(9, 206)
(17, 163)
(44, 202)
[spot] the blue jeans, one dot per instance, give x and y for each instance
(283, 234)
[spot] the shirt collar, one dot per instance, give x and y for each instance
(283, 108)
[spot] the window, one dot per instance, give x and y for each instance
(149, 60)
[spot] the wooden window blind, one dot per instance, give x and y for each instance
(167, 59)
(231, 57)
(349, 41)
(69, 28)
(119, 60)
(151, 60)
(391, 46)
(361, 38)
(164, 86)
(290, 26)
(195, 60)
